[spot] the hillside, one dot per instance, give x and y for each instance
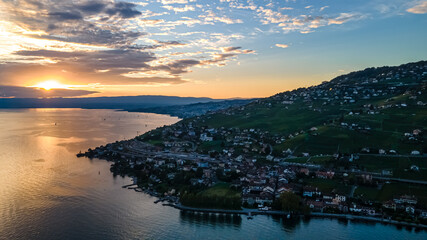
(194, 109)
(376, 110)
(358, 140)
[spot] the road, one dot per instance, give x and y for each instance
(394, 155)
(400, 180)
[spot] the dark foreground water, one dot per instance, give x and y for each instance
(48, 193)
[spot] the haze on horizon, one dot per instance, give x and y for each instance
(199, 48)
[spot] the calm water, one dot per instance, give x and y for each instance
(48, 193)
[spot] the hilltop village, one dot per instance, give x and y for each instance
(355, 144)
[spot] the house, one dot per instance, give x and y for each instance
(316, 205)
(387, 172)
(325, 175)
(309, 191)
(171, 175)
(405, 199)
(415, 168)
(415, 152)
(328, 197)
(410, 210)
(283, 189)
(389, 205)
(203, 164)
(355, 208)
(205, 138)
(366, 178)
(249, 198)
(362, 209)
(268, 190)
(160, 162)
(368, 211)
(207, 173)
(306, 171)
(171, 165)
(339, 198)
(264, 198)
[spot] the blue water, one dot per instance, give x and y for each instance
(48, 193)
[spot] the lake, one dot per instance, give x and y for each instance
(46, 192)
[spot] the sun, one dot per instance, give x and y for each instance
(51, 84)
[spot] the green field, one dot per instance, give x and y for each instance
(275, 119)
(219, 196)
(399, 165)
(394, 120)
(393, 189)
(331, 139)
(220, 190)
(209, 146)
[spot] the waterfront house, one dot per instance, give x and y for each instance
(315, 205)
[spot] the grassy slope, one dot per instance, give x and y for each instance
(387, 127)
(399, 165)
(220, 190)
(393, 189)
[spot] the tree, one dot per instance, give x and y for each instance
(290, 202)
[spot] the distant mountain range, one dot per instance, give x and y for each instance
(128, 102)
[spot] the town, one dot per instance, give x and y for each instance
(332, 148)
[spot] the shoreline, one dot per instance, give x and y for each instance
(253, 212)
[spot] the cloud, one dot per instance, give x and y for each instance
(419, 8)
(212, 17)
(307, 24)
(103, 41)
(125, 42)
(303, 23)
(124, 9)
(64, 16)
(119, 66)
(236, 50)
(31, 92)
(92, 7)
(282, 45)
(174, 1)
(231, 49)
(344, 17)
(115, 60)
(86, 22)
(323, 8)
(186, 8)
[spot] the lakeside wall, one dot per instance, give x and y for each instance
(252, 212)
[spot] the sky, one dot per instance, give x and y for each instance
(199, 48)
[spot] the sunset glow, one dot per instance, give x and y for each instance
(199, 48)
(51, 84)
